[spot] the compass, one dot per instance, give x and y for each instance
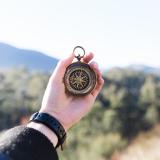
(79, 79)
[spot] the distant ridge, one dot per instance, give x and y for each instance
(11, 56)
(144, 68)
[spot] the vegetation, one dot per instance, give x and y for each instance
(128, 104)
(144, 146)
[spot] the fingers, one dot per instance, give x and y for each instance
(67, 61)
(99, 86)
(63, 64)
(100, 80)
(94, 66)
(88, 58)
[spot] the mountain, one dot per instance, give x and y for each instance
(144, 68)
(11, 56)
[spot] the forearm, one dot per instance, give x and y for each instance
(27, 144)
(44, 130)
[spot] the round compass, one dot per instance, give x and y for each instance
(79, 78)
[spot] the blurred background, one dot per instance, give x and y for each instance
(124, 36)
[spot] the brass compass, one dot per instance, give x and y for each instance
(79, 78)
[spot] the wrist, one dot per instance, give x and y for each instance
(58, 117)
(44, 130)
(51, 123)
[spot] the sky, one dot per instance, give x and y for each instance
(118, 32)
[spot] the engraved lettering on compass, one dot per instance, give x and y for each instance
(79, 79)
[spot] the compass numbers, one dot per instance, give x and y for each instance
(79, 79)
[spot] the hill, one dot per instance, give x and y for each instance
(11, 56)
(145, 68)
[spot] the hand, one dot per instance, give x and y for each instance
(66, 108)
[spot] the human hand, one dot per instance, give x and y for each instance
(66, 108)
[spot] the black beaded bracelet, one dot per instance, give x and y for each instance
(53, 124)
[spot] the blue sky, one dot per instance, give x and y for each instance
(119, 32)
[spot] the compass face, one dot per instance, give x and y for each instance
(79, 79)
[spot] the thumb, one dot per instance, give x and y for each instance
(62, 65)
(66, 61)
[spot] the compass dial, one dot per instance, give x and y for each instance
(79, 79)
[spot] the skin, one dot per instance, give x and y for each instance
(66, 108)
